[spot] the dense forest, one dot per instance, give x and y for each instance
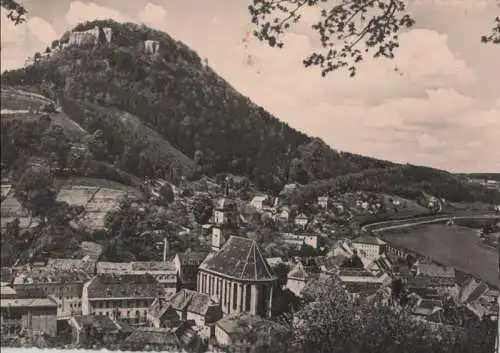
(170, 115)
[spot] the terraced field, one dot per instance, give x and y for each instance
(97, 196)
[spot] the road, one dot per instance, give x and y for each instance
(411, 222)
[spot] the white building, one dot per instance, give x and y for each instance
(261, 201)
(301, 220)
(300, 239)
(370, 246)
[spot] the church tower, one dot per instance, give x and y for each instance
(225, 219)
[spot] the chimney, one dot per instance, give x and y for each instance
(165, 247)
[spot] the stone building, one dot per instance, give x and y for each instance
(63, 286)
(165, 272)
(240, 277)
(124, 297)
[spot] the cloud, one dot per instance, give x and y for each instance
(21, 41)
(42, 30)
(153, 15)
(80, 12)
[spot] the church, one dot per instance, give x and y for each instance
(236, 272)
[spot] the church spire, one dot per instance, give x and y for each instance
(226, 186)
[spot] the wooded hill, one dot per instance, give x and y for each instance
(169, 115)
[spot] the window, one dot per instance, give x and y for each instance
(235, 295)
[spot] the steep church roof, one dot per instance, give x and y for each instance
(239, 258)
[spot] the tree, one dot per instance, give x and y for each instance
(333, 322)
(35, 190)
(166, 194)
(348, 31)
(297, 172)
(17, 12)
(202, 208)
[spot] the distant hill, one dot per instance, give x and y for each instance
(168, 115)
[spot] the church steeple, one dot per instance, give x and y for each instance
(225, 218)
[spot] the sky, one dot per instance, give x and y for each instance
(440, 109)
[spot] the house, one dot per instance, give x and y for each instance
(425, 267)
(362, 283)
(341, 248)
(323, 201)
(235, 330)
(298, 277)
(240, 277)
(289, 189)
(187, 264)
(300, 239)
(429, 310)
(152, 338)
(186, 305)
(371, 247)
(62, 286)
(6, 276)
(472, 290)
(283, 214)
(124, 297)
(165, 272)
(301, 220)
(261, 201)
(441, 284)
(91, 328)
(22, 313)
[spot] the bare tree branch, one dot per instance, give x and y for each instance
(17, 12)
(348, 31)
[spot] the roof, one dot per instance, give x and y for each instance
(367, 239)
(31, 302)
(153, 336)
(131, 267)
(301, 216)
(435, 270)
(427, 307)
(69, 264)
(99, 322)
(300, 272)
(427, 281)
(106, 285)
(242, 323)
(225, 203)
(239, 258)
(260, 198)
(191, 301)
(193, 258)
(472, 290)
(50, 275)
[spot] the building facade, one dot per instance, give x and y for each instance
(64, 287)
(28, 315)
(124, 297)
(239, 277)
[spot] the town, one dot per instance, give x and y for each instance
(148, 205)
(201, 298)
